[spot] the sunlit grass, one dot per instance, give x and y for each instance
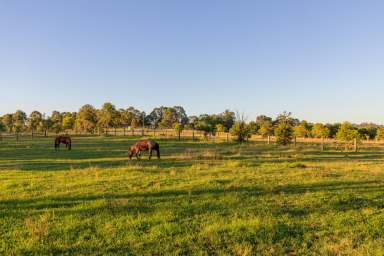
(201, 198)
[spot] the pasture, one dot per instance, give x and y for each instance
(201, 198)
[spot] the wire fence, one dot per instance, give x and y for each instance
(184, 135)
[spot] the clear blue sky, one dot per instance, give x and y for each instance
(321, 60)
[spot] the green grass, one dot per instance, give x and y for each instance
(200, 199)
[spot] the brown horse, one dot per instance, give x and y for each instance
(144, 145)
(65, 139)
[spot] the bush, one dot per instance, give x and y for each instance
(241, 131)
(284, 133)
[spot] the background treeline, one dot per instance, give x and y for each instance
(95, 121)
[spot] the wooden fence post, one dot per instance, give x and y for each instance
(355, 145)
(269, 139)
(295, 141)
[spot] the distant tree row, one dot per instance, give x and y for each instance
(285, 128)
(92, 120)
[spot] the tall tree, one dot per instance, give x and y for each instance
(46, 125)
(320, 131)
(347, 132)
(7, 120)
(284, 130)
(35, 121)
(169, 118)
(106, 116)
(86, 119)
(240, 130)
(254, 127)
(302, 130)
(333, 128)
(260, 120)
(266, 129)
(154, 118)
(207, 123)
(68, 122)
(286, 117)
(57, 121)
(19, 119)
(181, 115)
(380, 133)
(228, 119)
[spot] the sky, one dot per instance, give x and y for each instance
(321, 60)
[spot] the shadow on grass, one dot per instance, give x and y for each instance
(152, 198)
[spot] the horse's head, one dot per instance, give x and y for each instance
(130, 152)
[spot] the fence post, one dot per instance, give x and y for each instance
(295, 141)
(269, 139)
(193, 134)
(227, 137)
(124, 131)
(355, 145)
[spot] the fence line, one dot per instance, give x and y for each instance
(171, 133)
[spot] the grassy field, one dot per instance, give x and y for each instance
(201, 199)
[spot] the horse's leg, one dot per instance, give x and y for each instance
(158, 153)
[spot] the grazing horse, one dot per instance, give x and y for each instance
(144, 145)
(65, 139)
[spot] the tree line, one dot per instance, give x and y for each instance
(92, 120)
